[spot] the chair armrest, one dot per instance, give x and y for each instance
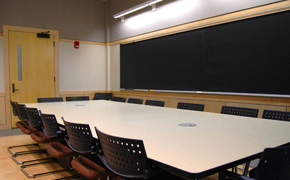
(235, 176)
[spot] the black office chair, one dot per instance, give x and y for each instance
(50, 99)
(79, 139)
(50, 126)
(20, 124)
(19, 111)
(190, 106)
(14, 108)
(274, 165)
(34, 120)
(103, 96)
(155, 103)
(22, 115)
(135, 101)
(77, 98)
(50, 132)
(125, 157)
(119, 99)
(54, 134)
(239, 111)
(56, 147)
(276, 115)
(33, 125)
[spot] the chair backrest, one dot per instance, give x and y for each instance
(14, 108)
(190, 106)
(50, 125)
(274, 164)
(155, 103)
(135, 101)
(276, 115)
(77, 98)
(119, 99)
(50, 99)
(34, 119)
(103, 96)
(239, 111)
(22, 115)
(80, 137)
(125, 157)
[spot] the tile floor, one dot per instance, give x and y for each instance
(10, 132)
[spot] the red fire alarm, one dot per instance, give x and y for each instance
(76, 44)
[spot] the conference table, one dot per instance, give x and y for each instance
(190, 144)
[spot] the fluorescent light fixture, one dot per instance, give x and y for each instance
(138, 7)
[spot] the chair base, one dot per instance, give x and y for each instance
(19, 152)
(28, 152)
(22, 168)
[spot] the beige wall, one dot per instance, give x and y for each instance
(74, 19)
(114, 69)
(1, 66)
(2, 110)
(83, 68)
(2, 96)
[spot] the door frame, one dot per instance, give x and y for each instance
(6, 29)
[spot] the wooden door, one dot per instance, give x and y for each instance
(31, 62)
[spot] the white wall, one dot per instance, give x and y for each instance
(83, 68)
(1, 66)
(170, 13)
(114, 70)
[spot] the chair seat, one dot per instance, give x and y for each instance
(40, 137)
(89, 169)
(21, 124)
(59, 150)
(28, 129)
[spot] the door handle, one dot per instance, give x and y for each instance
(13, 88)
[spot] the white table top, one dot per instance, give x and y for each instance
(216, 139)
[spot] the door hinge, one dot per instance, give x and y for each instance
(54, 78)
(53, 43)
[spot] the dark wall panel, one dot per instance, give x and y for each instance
(248, 56)
(167, 63)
